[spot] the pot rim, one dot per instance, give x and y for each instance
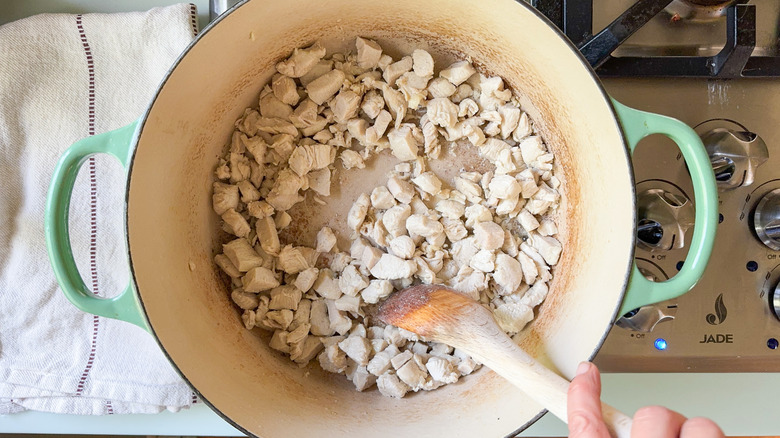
(214, 23)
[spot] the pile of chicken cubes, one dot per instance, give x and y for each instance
(488, 235)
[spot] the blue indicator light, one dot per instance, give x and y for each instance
(772, 343)
(660, 344)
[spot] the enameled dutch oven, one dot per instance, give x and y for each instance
(177, 294)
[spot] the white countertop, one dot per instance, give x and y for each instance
(742, 404)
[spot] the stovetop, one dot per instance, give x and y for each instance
(717, 70)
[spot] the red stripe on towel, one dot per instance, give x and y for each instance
(92, 203)
(194, 19)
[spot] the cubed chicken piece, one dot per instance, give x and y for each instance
(464, 250)
(402, 190)
(235, 223)
(467, 108)
(469, 282)
(285, 90)
(277, 319)
(531, 148)
(259, 279)
(423, 225)
(504, 187)
(339, 261)
(396, 103)
(450, 209)
(492, 94)
(273, 126)
(368, 53)
(535, 295)
(357, 348)
(319, 181)
(248, 192)
(396, 69)
(390, 267)
(523, 129)
(291, 260)
(326, 240)
(345, 105)
(227, 266)
(390, 386)
(527, 221)
(249, 318)
(393, 336)
(351, 160)
(302, 315)
(242, 255)
(333, 359)
(403, 246)
(405, 141)
(378, 129)
(454, 229)
(466, 364)
(508, 275)
(380, 363)
(339, 321)
(545, 193)
(395, 217)
(440, 88)
(358, 246)
(362, 379)
(428, 182)
(489, 235)
(373, 104)
(225, 197)
(352, 281)
(376, 291)
(239, 167)
(381, 198)
(413, 88)
(279, 341)
(306, 278)
(442, 112)
(422, 63)
(305, 114)
(347, 303)
(401, 359)
(301, 61)
(424, 272)
(548, 227)
(325, 86)
(412, 374)
(272, 107)
(484, 261)
(371, 256)
(326, 285)
(512, 317)
(470, 189)
(440, 350)
(530, 271)
(244, 300)
(442, 370)
(458, 72)
(510, 118)
(320, 324)
(284, 193)
(268, 236)
(285, 297)
(260, 209)
(537, 206)
(309, 349)
(377, 345)
(357, 213)
(311, 157)
(548, 247)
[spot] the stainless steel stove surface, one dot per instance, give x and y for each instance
(716, 68)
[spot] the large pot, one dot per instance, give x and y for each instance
(177, 294)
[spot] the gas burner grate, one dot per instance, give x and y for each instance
(735, 60)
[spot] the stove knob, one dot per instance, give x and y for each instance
(766, 220)
(644, 319)
(734, 155)
(774, 301)
(664, 218)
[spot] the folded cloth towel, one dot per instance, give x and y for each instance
(62, 78)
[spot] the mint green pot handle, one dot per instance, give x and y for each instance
(124, 306)
(636, 126)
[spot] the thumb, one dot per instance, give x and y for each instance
(584, 404)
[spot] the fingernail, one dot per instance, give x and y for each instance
(583, 368)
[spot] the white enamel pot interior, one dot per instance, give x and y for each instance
(171, 224)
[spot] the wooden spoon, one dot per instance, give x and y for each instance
(444, 315)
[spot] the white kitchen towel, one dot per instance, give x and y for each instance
(62, 78)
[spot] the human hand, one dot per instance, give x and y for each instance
(584, 406)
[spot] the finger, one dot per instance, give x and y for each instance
(700, 428)
(656, 422)
(584, 404)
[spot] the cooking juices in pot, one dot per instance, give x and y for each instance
(360, 174)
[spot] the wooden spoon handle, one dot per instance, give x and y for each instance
(506, 358)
